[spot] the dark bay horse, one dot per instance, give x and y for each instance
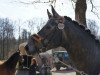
(82, 47)
(9, 66)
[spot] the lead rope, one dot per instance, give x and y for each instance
(81, 72)
(69, 66)
(78, 71)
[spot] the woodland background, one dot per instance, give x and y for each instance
(9, 41)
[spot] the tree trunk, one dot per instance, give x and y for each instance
(80, 12)
(3, 45)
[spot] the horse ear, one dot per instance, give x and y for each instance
(49, 14)
(55, 14)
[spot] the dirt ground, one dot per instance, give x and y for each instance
(63, 72)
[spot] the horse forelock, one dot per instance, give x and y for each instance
(83, 28)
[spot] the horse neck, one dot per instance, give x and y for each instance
(80, 42)
(83, 49)
(79, 38)
(12, 61)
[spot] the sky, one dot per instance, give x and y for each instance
(16, 11)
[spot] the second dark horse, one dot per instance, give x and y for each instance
(81, 46)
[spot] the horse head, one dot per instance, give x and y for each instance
(53, 33)
(47, 37)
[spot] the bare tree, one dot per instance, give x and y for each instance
(31, 24)
(6, 35)
(80, 12)
(91, 24)
(24, 35)
(40, 24)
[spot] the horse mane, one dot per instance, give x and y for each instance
(83, 28)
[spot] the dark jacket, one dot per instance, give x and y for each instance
(32, 69)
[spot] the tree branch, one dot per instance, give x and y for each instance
(93, 7)
(38, 1)
(74, 1)
(73, 4)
